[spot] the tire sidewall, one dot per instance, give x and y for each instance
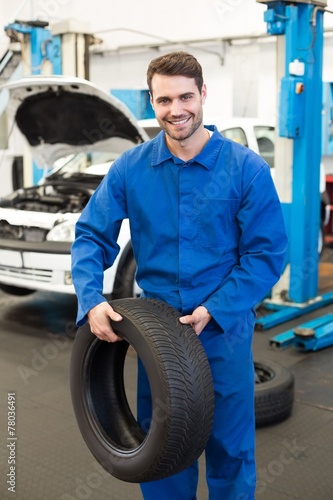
(127, 463)
(273, 398)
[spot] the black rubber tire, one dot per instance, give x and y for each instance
(274, 392)
(181, 388)
(124, 281)
(16, 290)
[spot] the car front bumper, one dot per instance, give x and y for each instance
(36, 265)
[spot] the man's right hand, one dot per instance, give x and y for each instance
(99, 321)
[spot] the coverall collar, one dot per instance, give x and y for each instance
(206, 157)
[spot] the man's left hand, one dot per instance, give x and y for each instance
(198, 319)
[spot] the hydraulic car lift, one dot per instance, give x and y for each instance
(300, 104)
(310, 336)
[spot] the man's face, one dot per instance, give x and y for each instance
(177, 103)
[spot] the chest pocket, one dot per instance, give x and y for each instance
(217, 223)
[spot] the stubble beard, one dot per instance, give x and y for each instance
(183, 135)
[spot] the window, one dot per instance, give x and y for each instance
(236, 134)
(265, 140)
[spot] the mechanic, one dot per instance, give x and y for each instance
(209, 239)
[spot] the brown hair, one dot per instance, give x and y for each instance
(176, 63)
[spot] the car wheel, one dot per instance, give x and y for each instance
(181, 392)
(15, 290)
(274, 392)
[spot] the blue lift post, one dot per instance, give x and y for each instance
(43, 46)
(300, 120)
(301, 22)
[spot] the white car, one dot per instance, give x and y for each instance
(72, 120)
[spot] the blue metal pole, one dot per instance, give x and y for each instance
(304, 42)
(39, 38)
(300, 120)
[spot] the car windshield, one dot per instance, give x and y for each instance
(95, 163)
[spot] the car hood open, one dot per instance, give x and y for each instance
(63, 115)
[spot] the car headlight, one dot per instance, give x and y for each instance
(65, 231)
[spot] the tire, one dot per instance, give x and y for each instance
(15, 290)
(274, 392)
(181, 391)
(125, 285)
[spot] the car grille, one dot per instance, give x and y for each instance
(43, 275)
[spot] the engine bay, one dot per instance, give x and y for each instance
(47, 198)
(50, 198)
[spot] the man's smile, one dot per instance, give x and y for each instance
(179, 122)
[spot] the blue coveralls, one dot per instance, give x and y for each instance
(209, 232)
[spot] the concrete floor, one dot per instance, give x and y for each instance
(294, 458)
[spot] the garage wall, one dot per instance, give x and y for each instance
(234, 87)
(240, 76)
(171, 20)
